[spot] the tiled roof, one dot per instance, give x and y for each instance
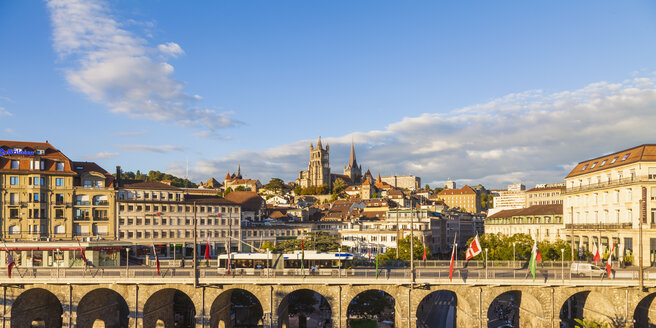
(51, 157)
(465, 190)
(93, 167)
(140, 184)
(646, 152)
(546, 188)
(553, 209)
(249, 200)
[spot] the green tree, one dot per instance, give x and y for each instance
(298, 190)
(227, 191)
(267, 246)
(241, 188)
(339, 186)
(320, 241)
(427, 187)
(275, 185)
(437, 190)
(404, 250)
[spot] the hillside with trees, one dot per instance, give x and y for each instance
(158, 176)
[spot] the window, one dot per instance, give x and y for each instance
(36, 181)
(603, 163)
(15, 164)
(626, 156)
(614, 160)
(629, 195)
(59, 182)
(593, 165)
(14, 230)
(88, 183)
(60, 229)
(59, 166)
(13, 181)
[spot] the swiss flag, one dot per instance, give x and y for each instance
(610, 260)
(595, 253)
(474, 248)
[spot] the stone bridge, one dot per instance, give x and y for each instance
(142, 300)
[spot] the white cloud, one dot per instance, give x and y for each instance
(4, 112)
(112, 66)
(101, 155)
(171, 49)
(152, 149)
(530, 137)
(9, 130)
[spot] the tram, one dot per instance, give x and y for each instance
(311, 260)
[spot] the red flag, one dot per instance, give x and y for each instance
(10, 263)
(424, 259)
(156, 258)
(207, 250)
(474, 248)
(453, 253)
(84, 258)
(595, 253)
(610, 260)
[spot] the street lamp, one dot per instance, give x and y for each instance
(513, 264)
(486, 263)
(562, 263)
(127, 261)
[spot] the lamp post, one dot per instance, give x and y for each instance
(127, 262)
(486, 263)
(513, 264)
(562, 263)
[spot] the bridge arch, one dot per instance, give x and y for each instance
(245, 305)
(438, 310)
(172, 307)
(645, 313)
(36, 307)
(105, 305)
(304, 307)
(520, 309)
(370, 304)
(589, 304)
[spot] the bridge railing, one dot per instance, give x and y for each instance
(146, 275)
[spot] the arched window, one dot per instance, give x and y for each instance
(14, 230)
(60, 229)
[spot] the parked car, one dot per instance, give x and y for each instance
(586, 270)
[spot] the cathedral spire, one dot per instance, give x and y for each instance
(319, 143)
(352, 162)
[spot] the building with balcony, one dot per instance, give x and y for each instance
(603, 202)
(46, 196)
(151, 212)
(542, 222)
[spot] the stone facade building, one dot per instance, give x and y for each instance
(318, 172)
(603, 202)
(464, 198)
(545, 194)
(46, 196)
(542, 222)
(409, 182)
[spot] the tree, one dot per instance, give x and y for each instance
(275, 185)
(427, 187)
(241, 188)
(404, 250)
(339, 186)
(298, 190)
(320, 241)
(227, 191)
(267, 246)
(437, 190)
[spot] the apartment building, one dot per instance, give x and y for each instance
(464, 198)
(46, 196)
(542, 222)
(545, 194)
(603, 202)
(151, 212)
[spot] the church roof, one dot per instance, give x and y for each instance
(352, 161)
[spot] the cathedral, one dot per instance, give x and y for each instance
(352, 170)
(318, 172)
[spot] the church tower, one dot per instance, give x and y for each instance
(318, 172)
(352, 170)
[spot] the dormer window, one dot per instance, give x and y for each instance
(626, 156)
(614, 160)
(15, 164)
(584, 167)
(79, 168)
(603, 163)
(40, 152)
(593, 165)
(59, 166)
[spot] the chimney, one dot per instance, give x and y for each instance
(118, 177)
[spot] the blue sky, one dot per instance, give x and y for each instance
(480, 92)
